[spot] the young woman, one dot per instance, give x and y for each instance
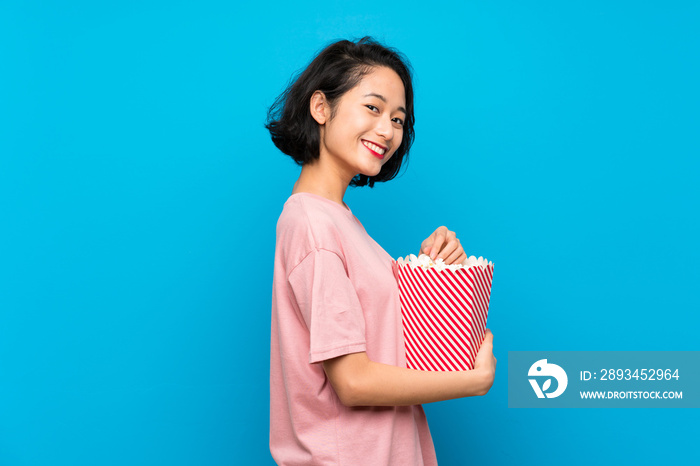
(340, 392)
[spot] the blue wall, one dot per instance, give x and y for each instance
(139, 194)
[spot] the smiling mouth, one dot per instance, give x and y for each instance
(376, 150)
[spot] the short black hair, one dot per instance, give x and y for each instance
(336, 69)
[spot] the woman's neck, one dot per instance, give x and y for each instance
(323, 181)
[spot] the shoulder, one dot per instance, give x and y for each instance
(308, 215)
(306, 225)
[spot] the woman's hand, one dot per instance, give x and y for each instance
(443, 244)
(485, 361)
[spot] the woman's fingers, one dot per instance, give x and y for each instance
(425, 247)
(456, 257)
(452, 252)
(443, 237)
(452, 248)
(443, 244)
(439, 237)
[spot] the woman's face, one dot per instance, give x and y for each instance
(368, 124)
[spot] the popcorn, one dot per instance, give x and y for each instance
(425, 261)
(443, 309)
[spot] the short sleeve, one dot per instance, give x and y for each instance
(329, 306)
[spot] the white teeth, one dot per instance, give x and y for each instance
(374, 147)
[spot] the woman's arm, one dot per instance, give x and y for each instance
(361, 382)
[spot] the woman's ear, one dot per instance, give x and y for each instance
(319, 107)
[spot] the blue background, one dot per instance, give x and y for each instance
(139, 194)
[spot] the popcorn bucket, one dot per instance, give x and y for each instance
(444, 310)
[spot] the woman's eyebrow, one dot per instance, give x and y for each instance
(381, 97)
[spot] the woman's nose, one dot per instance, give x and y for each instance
(385, 128)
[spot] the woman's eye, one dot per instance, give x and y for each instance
(397, 120)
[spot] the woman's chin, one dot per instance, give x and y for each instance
(373, 171)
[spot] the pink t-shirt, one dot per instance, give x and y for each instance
(334, 293)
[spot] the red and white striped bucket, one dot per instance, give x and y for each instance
(444, 314)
